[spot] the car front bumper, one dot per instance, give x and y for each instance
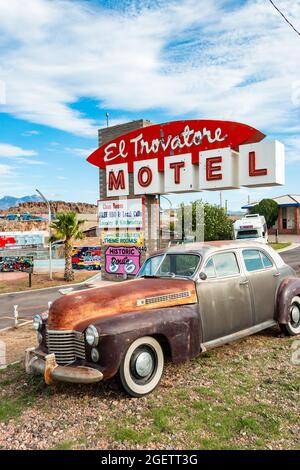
(46, 365)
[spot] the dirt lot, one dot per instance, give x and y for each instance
(244, 395)
(41, 280)
(16, 341)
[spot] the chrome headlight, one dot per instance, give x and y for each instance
(37, 322)
(92, 335)
(95, 355)
(39, 337)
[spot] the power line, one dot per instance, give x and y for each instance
(285, 18)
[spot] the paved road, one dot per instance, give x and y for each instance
(29, 303)
(292, 257)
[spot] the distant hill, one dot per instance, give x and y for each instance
(10, 201)
(235, 213)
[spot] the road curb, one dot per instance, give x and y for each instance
(47, 288)
(293, 246)
(13, 327)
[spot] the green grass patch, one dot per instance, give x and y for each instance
(65, 445)
(128, 434)
(12, 407)
(18, 392)
(279, 246)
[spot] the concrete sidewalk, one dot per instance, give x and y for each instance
(293, 246)
(285, 239)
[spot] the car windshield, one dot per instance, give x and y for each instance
(247, 234)
(170, 265)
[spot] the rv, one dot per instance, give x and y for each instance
(251, 227)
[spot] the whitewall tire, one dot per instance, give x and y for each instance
(142, 366)
(292, 328)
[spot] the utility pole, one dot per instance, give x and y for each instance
(49, 230)
(221, 199)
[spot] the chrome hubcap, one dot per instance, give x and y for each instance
(295, 314)
(144, 364)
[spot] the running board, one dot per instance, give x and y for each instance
(240, 334)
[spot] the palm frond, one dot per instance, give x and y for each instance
(67, 226)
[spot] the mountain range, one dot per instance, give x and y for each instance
(10, 201)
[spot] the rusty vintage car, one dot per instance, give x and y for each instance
(184, 300)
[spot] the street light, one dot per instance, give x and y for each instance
(160, 216)
(49, 229)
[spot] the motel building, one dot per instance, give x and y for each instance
(288, 222)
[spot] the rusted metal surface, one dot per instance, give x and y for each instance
(50, 366)
(93, 304)
(178, 328)
(46, 365)
(288, 289)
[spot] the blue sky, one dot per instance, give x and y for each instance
(65, 63)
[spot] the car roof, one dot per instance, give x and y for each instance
(206, 248)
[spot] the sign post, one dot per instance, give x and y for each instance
(9, 264)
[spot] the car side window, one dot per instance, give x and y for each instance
(255, 260)
(266, 260)
(226, 264)
(209, 269)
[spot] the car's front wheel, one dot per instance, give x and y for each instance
(292, 328)
(142, 366)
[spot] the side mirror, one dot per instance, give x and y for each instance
(202, 276)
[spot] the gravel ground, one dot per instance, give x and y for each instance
(244, 395)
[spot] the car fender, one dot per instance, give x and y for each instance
(288, 289)
(177, 328)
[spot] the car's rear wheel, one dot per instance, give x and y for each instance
(142, 366)
(292, 328)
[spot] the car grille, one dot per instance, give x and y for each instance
(66, 345)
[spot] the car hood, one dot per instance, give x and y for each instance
(81, 308)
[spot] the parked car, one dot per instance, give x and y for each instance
(251, 227)
(185, 299)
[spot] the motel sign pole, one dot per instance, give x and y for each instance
(49, 228)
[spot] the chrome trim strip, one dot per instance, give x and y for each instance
(240, 334)
(163, 298)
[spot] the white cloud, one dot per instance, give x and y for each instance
(80, 152)
(293, 148)
(11, 151)
(27, 161)
(30, 133)
(195, 57)
(5, 169)
(19, 155)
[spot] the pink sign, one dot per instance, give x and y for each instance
(122, 260)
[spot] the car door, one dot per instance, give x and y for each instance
(263, 277)
(224, 297)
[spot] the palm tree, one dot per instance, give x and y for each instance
(68, 228)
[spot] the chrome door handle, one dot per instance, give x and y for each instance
(244, 283)
(276, 275)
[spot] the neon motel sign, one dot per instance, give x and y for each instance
(192, 155)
